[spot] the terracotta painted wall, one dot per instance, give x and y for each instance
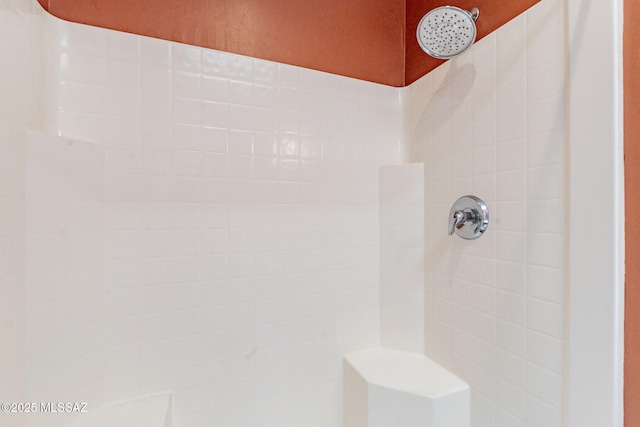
(371, 40)
(356, 38)
(632, 206)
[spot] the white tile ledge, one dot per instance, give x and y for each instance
(404, 371)
(392, 388)
(149, 411)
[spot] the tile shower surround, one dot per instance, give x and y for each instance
(19, 85)
(241, 242)
(492, 124)
(240, 255)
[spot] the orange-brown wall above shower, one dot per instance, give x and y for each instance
(371, 40)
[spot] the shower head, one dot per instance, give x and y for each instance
(447, 31)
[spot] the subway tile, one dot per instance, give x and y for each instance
(156, 160)
(154, 188)
(512, 94)
(538, 51)
(265, 97)
(512, 338)
(545, 283)
(187, 189)
(186, 85)
(483, 298)
(240, 142)
(265, 168)
(122, 159)
(512, 277)
(215, 190)
(545, 350)
(546, 216)
(512, 246)
(546, 114)
(482, 409)
(513, 35)
(546, 80)
(82, 98)
(123, 46)
(483, 160)
(215, 114)
(240, 93)
(85, 69)
(241, 117)
(187, 163)
(511, 63)
(155, 133)
(512, 308)
(485, 187)
(545, 385)
(512, 155)
(187, 137)
(288, 76)
(122, 103)
(513, 399)
(512, 216)
(288, 122)
(214, 165)
(187, 111)
(155, 215)
(506, 419)
(240, 67)
(540, 414)
(512, 124)
(512, 186)
(484, 106)
(155, 106)
(155, 52)
(546, 148)
(122, 188)
(546, 249)
(122, 130)
(513, 369)
(265, 120)
(483, 326)
(186, 215)
(544, 15)
(265, 72)
(123, 75)
(214, 139)
(215, 63)
(186, 58)
(240, 166)
(215, 89)
(83, 40)
(545, 317)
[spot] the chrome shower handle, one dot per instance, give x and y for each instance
(468, 217)
(455, 220)
(460, 217)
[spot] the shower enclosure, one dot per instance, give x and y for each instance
(182, 220)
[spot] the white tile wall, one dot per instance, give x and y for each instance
(240, 245)
(491, 124)
(19, 85)
(64, 271)
(402, 257)
(240, 221)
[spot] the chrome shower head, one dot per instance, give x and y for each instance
(447, 31)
